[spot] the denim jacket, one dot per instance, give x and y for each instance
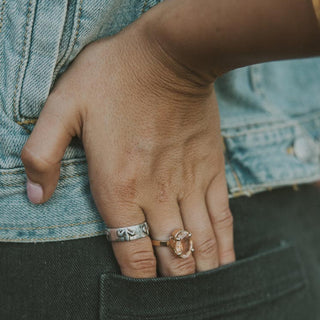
(270, 115)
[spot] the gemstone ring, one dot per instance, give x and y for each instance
(180, 243)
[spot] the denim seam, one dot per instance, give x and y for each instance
(67, 49)
(260, 90)
(208, 311)
(56, 226)
(235, 176)
(230, 302)
(78, 25)
(61, 178)
(2, 13)
(16, 172)
(27, 121)
(312, 116)
(73, 39)
(248, 190)
(16, 113)
(57, 238)
(282, 181)
(62, 164)
(144, 6)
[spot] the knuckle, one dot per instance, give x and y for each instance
(163, 196)
(126, 189)
(224, 220)
(34, 162)
(182, 267)
(164, 189)
(207, 248)
(144, 261)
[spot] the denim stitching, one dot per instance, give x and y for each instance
(62, 165)
(16, 113)
(78, 25)
(71, 44)
(34, 120)
(65, 164)
(14, 185)
(16, 172)
(256, 79)
(73, 175)
(1, 24)
(2, 13)
(228, 302)
(28, 121)
(235, 176)
(254, 188)
(51, 227)
(144, 6)
(60, 179)
(312, 116)
(57, 238)
(291, 182)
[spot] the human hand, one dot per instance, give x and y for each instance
(151, 134)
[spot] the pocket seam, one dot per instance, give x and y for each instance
(72, 41)
(223, 303)
(283, 285)
(24, 60)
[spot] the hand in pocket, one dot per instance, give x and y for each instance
(151, 133)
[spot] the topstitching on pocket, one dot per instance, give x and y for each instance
(243, 284)
(49, 40)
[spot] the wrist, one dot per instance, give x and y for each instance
(170, 45)
(135, 54)
(213, 37)
(143, 39)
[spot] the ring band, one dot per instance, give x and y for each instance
(180, 243)
(128, 233)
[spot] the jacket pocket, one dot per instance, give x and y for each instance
(51, 38)
(244, 285)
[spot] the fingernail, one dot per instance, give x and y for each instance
(34, 191)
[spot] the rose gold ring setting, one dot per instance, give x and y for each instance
(180, 243)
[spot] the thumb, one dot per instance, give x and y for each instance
(45, 148)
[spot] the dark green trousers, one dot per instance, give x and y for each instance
(276, 275)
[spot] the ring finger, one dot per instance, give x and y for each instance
(197, 221)
(163, 219)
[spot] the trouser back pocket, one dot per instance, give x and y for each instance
(263, 286)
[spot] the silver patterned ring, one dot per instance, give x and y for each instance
(128, 233)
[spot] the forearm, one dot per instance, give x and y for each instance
(214, 36)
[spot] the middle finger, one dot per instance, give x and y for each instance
(196, 219)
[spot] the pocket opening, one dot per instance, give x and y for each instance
(267, 276)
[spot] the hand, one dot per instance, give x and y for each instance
(150, 129)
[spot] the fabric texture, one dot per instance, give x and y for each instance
(276, 274)
(270, 115)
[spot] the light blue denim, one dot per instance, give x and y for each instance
(270, 115)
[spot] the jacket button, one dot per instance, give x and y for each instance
(306, 149)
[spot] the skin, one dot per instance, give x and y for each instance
(144, 106)
(213, 37)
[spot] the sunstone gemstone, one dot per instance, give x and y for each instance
(181, 243)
